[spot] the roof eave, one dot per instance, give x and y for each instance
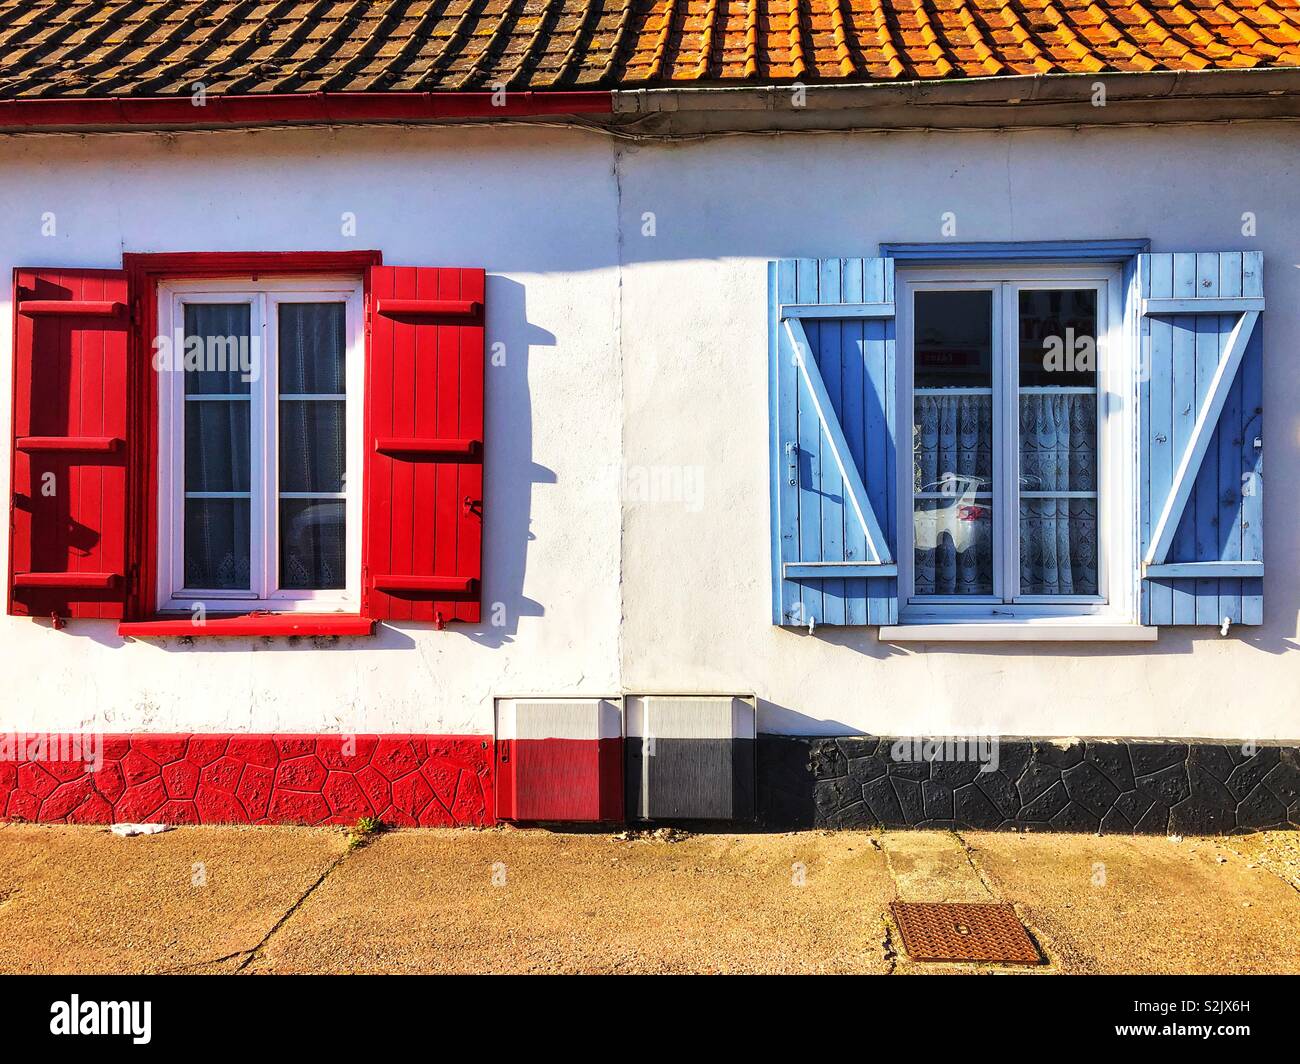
(968, 103)
(211, 111)
(1020, 101)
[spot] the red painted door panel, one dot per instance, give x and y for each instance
(560, 779)
(422, 545)
(68, 551)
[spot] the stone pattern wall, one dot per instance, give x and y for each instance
(1113, 786)
(405, 780)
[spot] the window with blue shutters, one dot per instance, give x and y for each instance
(953, 439)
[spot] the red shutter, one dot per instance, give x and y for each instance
(422, 551)
(67, 549)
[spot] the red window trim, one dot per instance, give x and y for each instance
(144, 271)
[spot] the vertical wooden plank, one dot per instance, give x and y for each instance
(379, 421)
(20, 465)
(853, 285)
(811, 464)
(432, 484)
(444, 420)
(1158, 608)
(889, 585)
(776, 466)
(1218, 517)
(1182, 419)
(787, 403)
(1143, 326)
(471, 362)
(406, 286)
(1251, 377)
(835, 507)
(877, 410)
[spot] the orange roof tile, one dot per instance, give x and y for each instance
(61, 48)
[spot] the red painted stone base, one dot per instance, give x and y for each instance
(404, 780)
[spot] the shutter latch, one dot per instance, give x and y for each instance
(792, 463)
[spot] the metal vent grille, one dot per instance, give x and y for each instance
(690, 757)
(964, 932)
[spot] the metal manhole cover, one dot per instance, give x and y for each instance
(966, 932)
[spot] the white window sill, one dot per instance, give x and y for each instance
(1018, 632)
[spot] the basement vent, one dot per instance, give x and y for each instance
(559, 759)
(690, 757)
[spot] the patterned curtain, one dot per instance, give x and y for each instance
(1058, 535)
(953, 451)
(954, 456)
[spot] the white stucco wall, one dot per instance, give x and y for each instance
(648, 354)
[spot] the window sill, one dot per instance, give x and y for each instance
(255, 624)
(1023, 632)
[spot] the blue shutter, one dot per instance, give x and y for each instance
(1201, 412)
(833, 441)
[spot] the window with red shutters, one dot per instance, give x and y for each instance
(422, 542)
(83, 531)
(68, 545)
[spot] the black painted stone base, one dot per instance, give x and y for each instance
(1112, 786)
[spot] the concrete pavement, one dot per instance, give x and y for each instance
(79, 899)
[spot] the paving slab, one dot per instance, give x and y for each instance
(80, 899)
(536, 901)
(1144, 904)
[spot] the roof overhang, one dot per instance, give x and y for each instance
(1032, 101)
(976, 103)
(211, 111)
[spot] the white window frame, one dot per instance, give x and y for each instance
(1117, 521)
(264, 296)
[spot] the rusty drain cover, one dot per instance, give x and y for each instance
(935, 931)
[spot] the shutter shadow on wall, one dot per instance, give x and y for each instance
(833, 441)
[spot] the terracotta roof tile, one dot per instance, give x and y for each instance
(52, 48)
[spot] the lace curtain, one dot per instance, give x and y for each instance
(1058, 453)
(953, 437)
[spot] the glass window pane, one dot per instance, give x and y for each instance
(1058, 547)
(218, 349)
(954, 339)
(953, 546)
(312, 544)
(217, 544)
(217, 445)
(312, 341)
(1058, 441)
(1058, 337)
(313, 441)
(952, 434)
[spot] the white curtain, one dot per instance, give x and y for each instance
(954, 534)
(1058, 453)
(954, 455)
